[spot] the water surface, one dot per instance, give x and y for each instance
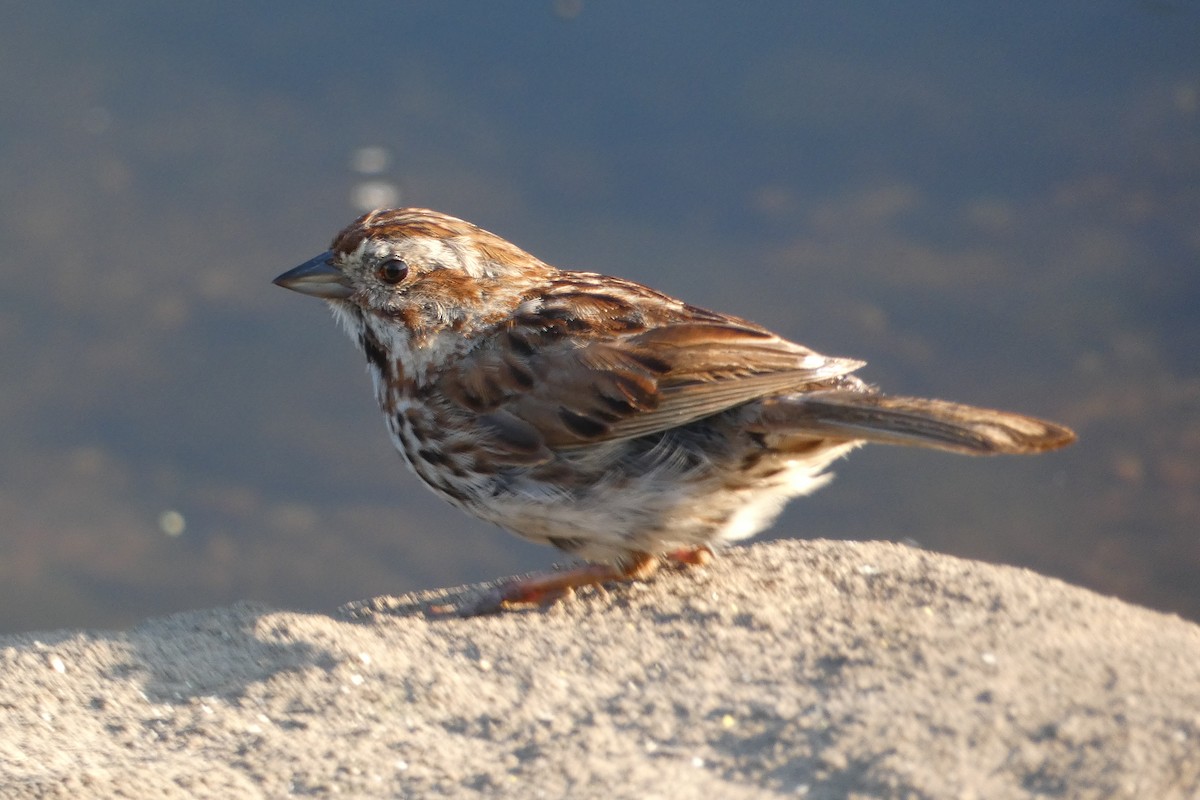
(996, 205)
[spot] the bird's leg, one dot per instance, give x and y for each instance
(544, 589)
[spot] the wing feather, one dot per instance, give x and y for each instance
(580, 377)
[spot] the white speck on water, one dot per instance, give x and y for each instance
(370, 160)
(370, 195)
(172, 523)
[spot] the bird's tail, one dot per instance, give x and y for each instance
(911, 421)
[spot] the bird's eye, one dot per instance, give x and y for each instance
(392, 271)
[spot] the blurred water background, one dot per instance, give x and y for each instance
(992, 203)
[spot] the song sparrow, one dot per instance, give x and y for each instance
(595, 414)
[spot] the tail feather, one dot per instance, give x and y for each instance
(912, 421)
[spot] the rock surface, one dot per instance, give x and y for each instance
(814, 669)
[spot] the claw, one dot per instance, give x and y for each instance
(692, 556)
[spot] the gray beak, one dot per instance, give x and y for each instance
(317, 277)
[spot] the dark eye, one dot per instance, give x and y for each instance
(392, 271)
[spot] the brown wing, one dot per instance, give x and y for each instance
(578, 365)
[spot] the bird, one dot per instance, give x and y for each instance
(594, 414)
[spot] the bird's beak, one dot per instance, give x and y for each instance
(317, 277)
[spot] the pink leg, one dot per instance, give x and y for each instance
(545, 589)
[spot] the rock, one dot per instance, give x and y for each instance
(799, 668)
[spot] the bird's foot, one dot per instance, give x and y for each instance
(547, 588)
